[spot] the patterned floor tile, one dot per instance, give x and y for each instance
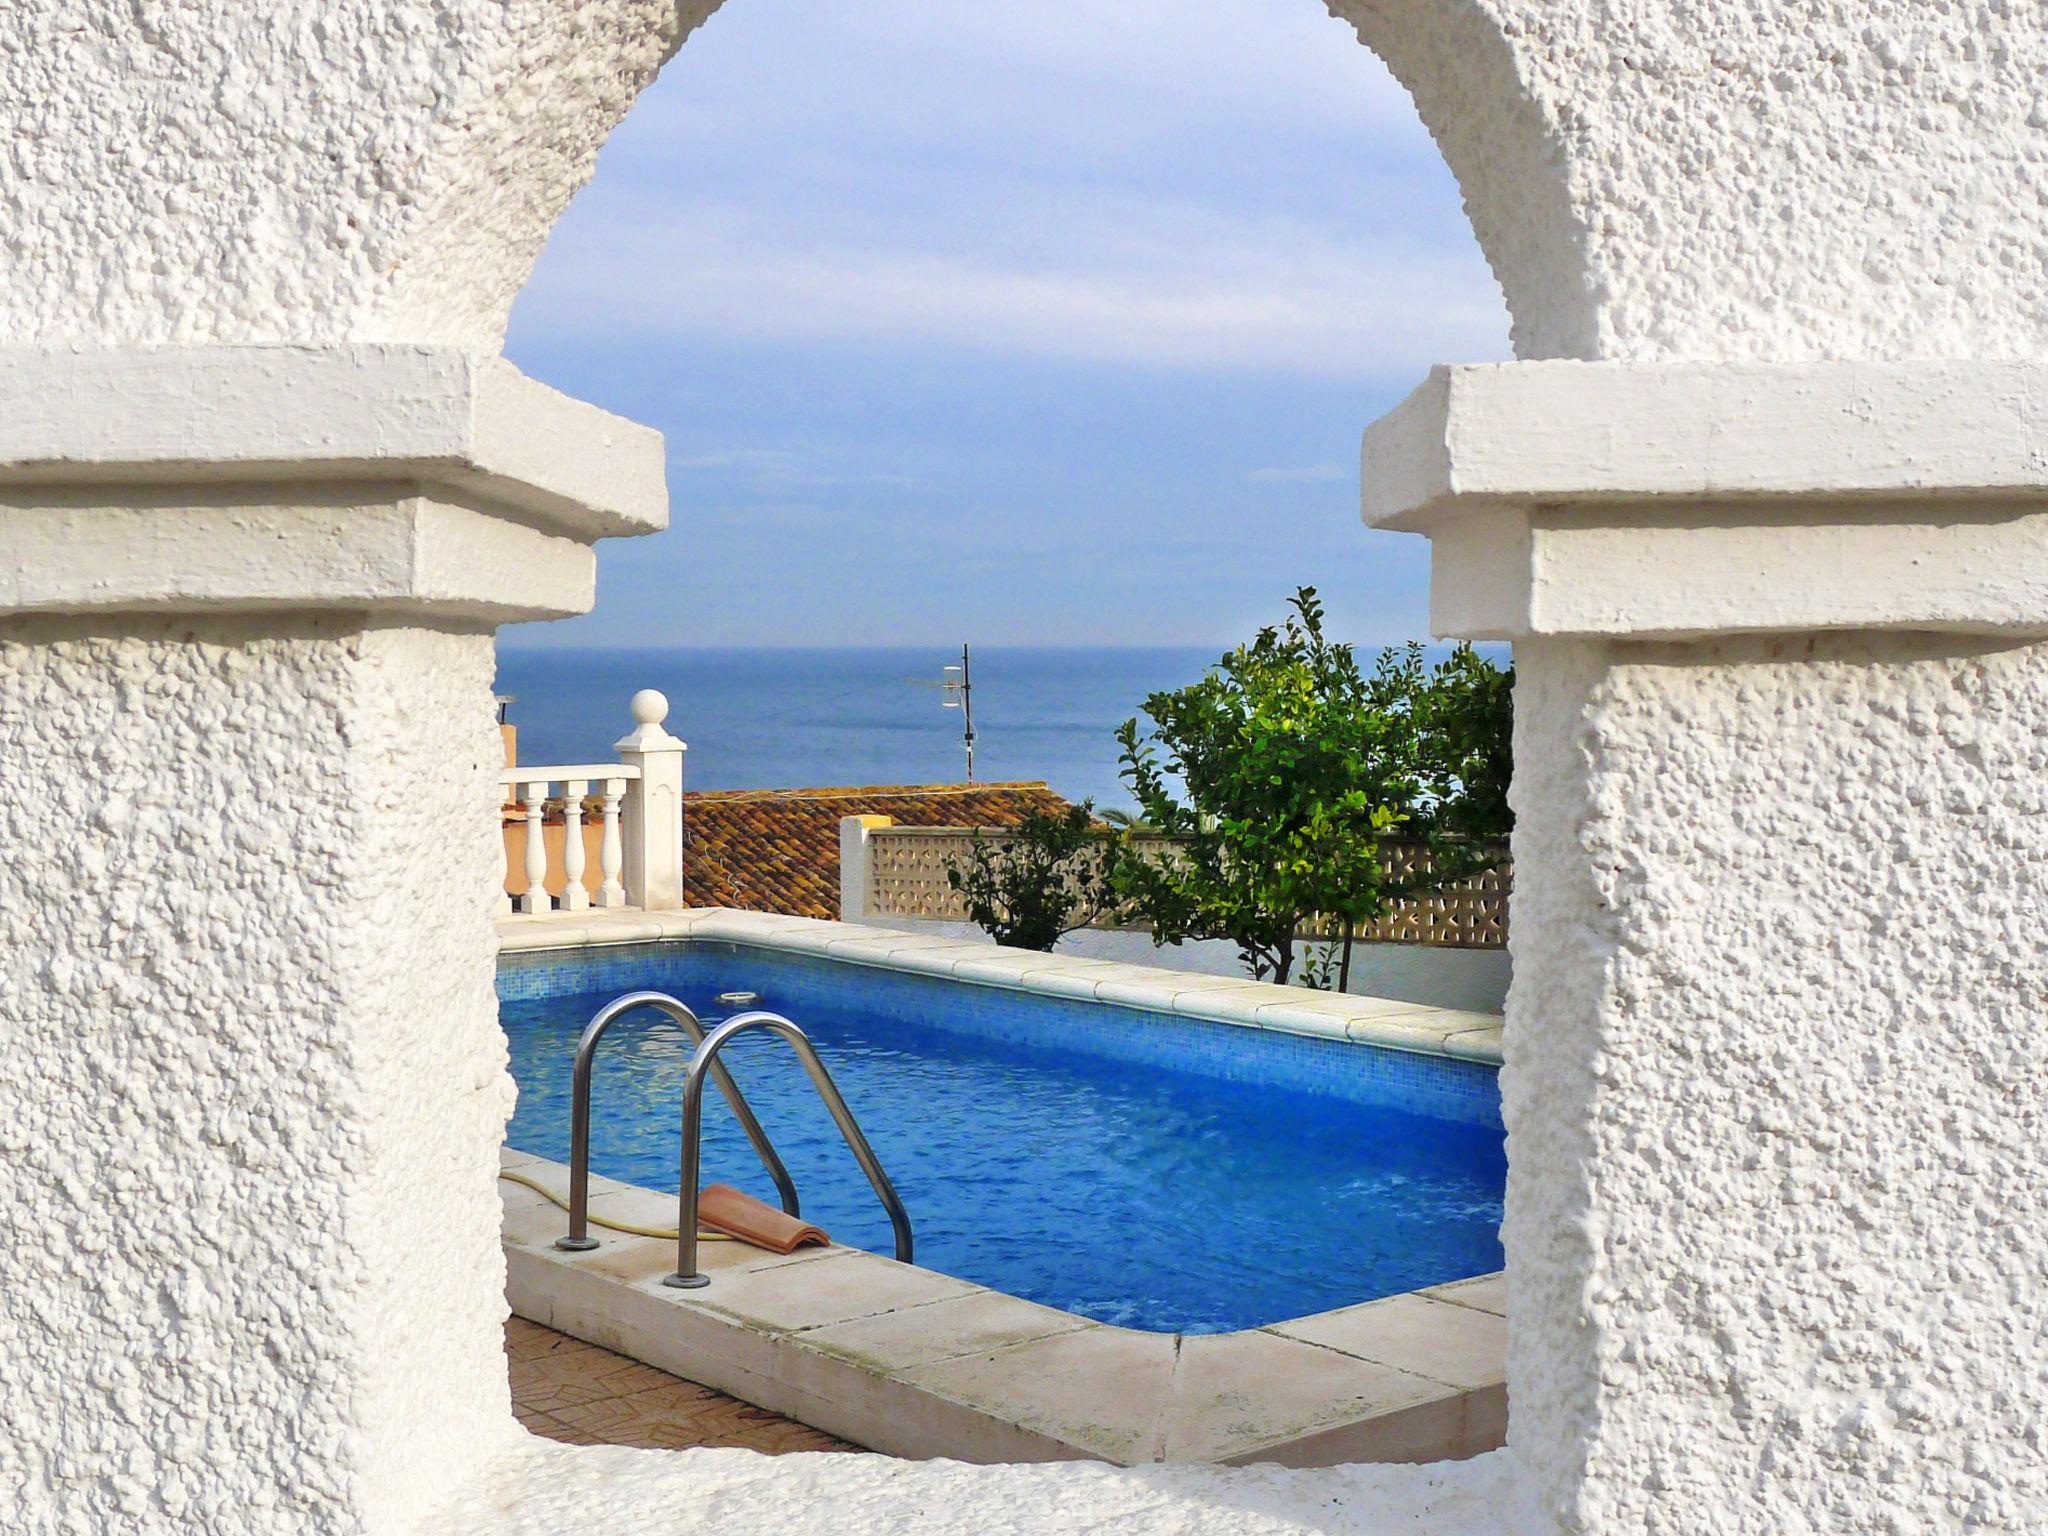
(578, 1394)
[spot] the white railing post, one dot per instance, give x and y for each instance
(575, 897)
(653, 817)
(534, 802)
(856, 866)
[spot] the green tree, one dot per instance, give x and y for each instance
(1275, 778)
(1467, 718)
(1036, 883)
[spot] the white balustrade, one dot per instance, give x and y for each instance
(640, 851)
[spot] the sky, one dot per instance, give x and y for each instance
(1054, 322)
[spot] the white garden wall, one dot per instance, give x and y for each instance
(1472, 979)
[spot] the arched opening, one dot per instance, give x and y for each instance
(919, 314)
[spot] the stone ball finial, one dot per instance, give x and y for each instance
(649, 706)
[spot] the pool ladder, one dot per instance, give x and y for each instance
(704, 1064)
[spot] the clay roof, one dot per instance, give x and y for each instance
(777, 850)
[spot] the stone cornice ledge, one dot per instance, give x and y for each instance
(452, 421)
(406, 481)
(1688, 500)
(1629, 432)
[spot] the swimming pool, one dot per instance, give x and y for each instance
(1149, 1170)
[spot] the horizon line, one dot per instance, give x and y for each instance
(1219, 646)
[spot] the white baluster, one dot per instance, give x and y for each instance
(536, 897)
(611, 854)
(574, 897)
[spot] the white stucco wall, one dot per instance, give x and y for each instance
(305, 171)
(1779, 1132)
(248, 1124)
(1691, 178)
(1781, 179)
(550, 1489)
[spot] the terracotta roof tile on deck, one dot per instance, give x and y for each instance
(777, 850)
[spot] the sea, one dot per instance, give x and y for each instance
(808, 718)
(803, 718)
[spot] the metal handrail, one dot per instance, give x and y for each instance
(704, 1064)
(579, 1239)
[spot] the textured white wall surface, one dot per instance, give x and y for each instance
(549, 1489)
(1782, 179)
(1695, 178)
(306, 170)
(1775, 1097)
(250, 1116)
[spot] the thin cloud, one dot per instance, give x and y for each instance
(1100, 81)
(776, 469)
(1306, 474)
(1102, 281)
(759, 461)
(1219, 185)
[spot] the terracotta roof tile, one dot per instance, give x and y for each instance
(777, 850)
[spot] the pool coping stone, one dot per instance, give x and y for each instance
(907, 1361)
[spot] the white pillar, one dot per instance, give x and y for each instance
(249, 1123)
(1777, 1076)
(856, 865)
(653, 817)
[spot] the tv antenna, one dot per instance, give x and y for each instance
(957, 686)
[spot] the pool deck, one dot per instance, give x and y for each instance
(1384, 1022)
(918, 1364)
(572, 1392)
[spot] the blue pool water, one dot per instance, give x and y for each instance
(1153, 1172)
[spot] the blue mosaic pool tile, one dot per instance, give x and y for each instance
(1463, 1092)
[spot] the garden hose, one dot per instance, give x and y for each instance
(617, 1226)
